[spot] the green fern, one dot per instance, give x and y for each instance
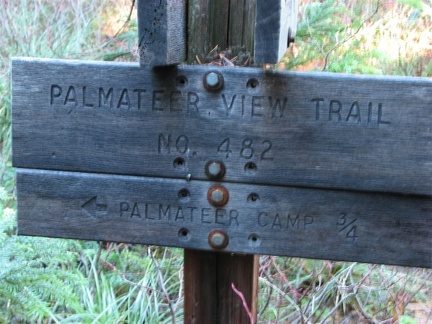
(38, 276)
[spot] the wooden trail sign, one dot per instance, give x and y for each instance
(311, 223)
(277, 128)
(315, 165)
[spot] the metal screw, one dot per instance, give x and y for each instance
(218, 196)
(215, 169)
(218, 239)
(213, 81)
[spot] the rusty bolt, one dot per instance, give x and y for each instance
(213, 81)
(218, 196)
(218, 239)
(215, 169)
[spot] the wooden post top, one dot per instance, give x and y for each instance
(175, 31)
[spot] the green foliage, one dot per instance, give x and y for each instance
(416, 4)
(363, 37)
(324, 36)
(41, 279)
(125, 286)
(312, 291)
(38, 278)
(7, 174)
(405, 319)
(7, 214)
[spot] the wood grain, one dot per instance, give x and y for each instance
(222, 23)
(322, 130)
(241, 24)
(310, 223)
(162, 32)
(209, 297)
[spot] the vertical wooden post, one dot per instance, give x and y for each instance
(275, 27)
(161, 32)
(209, 276)
(209, 297)
(223, 22)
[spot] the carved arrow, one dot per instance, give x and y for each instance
(93, 209)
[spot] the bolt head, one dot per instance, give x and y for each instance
(215, 169)
(213, 81)
(218, 239)
(218, 196)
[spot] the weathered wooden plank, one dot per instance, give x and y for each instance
(276, 22)
(236, 11)
(209, 297)
(280, 128)
(311, 223)
(222, 23)
(241, 24)
(162, 31)
(203, 17)
(249, 16)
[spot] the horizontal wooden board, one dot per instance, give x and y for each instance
(309, 223)
(280, 128)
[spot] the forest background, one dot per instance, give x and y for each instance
(52, 280)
